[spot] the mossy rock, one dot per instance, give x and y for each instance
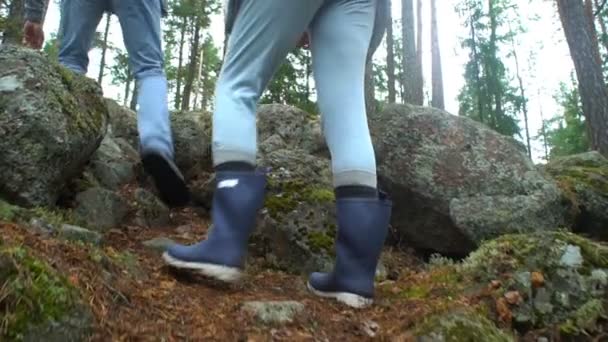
(37, 303)
(297, 227)
(54, 217)
(51, 122)
(583, 180)
(463, 326)
(561, 277)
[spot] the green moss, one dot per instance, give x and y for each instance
(285, 196)
(440, 281)
(318, 195)
(8, 212)
(590, 177)
(32, 293)
(461, 326)
(584, 318)
(320, 241)
(82, 102)
(54, 217)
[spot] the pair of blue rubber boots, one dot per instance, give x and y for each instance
(362, 229)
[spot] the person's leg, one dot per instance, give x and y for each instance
(141, 25)
(264, 32)
(340, 39)
(79, 20)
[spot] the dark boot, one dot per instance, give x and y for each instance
(168, 180)
(237, 199)
(362, 229)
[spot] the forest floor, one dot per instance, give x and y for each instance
(136, 297)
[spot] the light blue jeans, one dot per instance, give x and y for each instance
(140, 21)
(263, 34)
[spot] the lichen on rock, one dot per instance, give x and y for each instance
(460, 326)
(558, 274)
(50, 126)
(583, 180)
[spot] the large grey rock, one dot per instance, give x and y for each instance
(51, 122)
(583, 179)
(286, 127)
(123, 123)
(113, 164)
(101, 209)
(297, 227)
(192, 139)
(456, 183)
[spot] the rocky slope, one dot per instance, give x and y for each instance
(82, 229)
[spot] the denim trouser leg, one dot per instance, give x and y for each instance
(140, 22)
(263, 34)
(340, 39)
(79, 21)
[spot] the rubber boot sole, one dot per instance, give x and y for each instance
(350, 299)
(168, 180)
(222, 273)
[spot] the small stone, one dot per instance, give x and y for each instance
(542, 339)
(371, 328)
(495, 284)
(74, 233)
(381, 272)
(538, 280)
(41, 227)
(572, 257)
(274, 312)
(513, 297)
(159, 244)
(600, 277)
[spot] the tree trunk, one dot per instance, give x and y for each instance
(133, 104)
(522, 93)
(180, 63)
(188, 86)
(199, 76)
(419, 76)
(543, 128)
(104, 49)
(600, 19)
(127, 91)
(390, 58)
(592, 30)
(409, 52)
(13, 31)
(437, 72)
(480, 98)
(592, 88)
(370, 91)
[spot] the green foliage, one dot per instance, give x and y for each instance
(291, 83)
(488, 96)
(567, 133)
(32, 293)
(461, 326)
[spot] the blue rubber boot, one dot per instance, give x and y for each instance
(362, 229)
(237, 200)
